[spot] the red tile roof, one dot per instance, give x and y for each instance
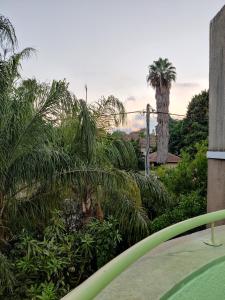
(170, 159)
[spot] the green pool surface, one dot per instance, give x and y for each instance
(205, 284)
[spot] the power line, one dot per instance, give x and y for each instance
(172, 114)
(125, 113)
(143, 112)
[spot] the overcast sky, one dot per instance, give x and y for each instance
(108, 45)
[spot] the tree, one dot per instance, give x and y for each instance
(8, 40)
(184, 134)
(140, 156)
(108, 112)
(55, 147)
(161, 74)
(187, 187)
(101, 176)
(28, 160)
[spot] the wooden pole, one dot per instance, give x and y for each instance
(147, 162)
(85, 92)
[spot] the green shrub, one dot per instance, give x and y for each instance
(190, 174)
(188, 206)
(46, 267)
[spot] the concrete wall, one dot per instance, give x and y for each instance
(216, 168)
(217, 83)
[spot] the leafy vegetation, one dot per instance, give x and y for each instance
(46, 266)
(71, 194)
(184, 134)
(186, 184)
(56, 154)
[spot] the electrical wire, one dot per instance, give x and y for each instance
(143, 112)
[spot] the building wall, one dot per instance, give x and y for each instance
(216, 168)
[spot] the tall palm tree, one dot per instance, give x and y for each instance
(160, 77)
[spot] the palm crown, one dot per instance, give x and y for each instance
(161, 73)
(8, 40)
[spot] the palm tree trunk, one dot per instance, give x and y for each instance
(2, 227)
(162, 129)
(87, 205)
(99, 212)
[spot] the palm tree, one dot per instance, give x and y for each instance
(28, 159)
(54, 147)
(99, 176)
(8, 40)
(108, 113)
(161, 74)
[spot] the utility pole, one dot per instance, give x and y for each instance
(147, 162)
(85, 92)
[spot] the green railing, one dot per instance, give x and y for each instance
(99, 280)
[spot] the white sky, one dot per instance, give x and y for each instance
(108, 45)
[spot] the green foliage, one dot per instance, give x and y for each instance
(189, 175)
(44, 291)
(8, 38)
(161, 73)
(100, 178)
(54, 148)
(7, 279)
(184, 134)
(140, 156)
(109, 111)
(122, 154)
(46, 267)
(106, 238)
(186, 184)
(28, 159)
(188, 206)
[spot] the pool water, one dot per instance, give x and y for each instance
(208, 283)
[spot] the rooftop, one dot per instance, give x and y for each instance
(170, 159)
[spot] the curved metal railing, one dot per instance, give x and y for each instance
(99, 280)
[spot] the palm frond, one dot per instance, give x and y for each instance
(7, 33)
(7, 278)
(161, 73)
(153, 192)
(9, 69)
(109, 112)
(125, 204)
(121, 154)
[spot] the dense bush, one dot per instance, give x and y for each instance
(189, 175)
(186, 185)
(47, 266)
(184, 134)
(189, 206)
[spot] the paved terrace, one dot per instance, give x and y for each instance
(165, 266)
